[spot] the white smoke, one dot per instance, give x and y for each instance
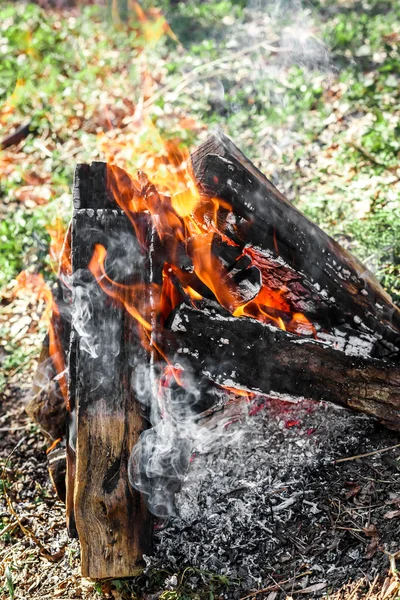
(160, 460)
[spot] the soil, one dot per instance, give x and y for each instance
(267, 505)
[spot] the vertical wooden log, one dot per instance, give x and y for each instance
(112, 522)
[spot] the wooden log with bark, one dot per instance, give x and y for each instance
(112, 522)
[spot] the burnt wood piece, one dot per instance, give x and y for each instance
(112, 522)
(245, 354)
(48, 404)
(19, 134)
(321, 279)
(56, 463)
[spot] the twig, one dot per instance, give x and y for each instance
(276, 586)
(9, 527)
(375, 161)
(353, 593)
(347, 458)
(372, 586)
(19, 134)
(8, 430)
(392, 556)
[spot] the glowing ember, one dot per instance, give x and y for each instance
(186, 222)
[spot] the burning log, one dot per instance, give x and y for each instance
(111, 519)
(319, 278)
(245, 354)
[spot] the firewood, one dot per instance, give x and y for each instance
(347, 353)
(248, 355)
(320, 278)
(111, 519)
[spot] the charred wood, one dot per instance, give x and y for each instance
(248, 355)
(315, 272)
(57, 464)
(111, 519)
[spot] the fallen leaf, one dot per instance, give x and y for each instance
(372, 548)
(312, 588)
(392, 514)
(57, 556)
(393, 501)
(394, 586)
(371, 532)
(34, 178)
(353, 491)
(32, 195)
(292, 423)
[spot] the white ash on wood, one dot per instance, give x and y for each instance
(322, 279)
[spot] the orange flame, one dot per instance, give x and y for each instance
(60, 248)
(128, 296)
(188, 222)
(187, 226)
(36, 285)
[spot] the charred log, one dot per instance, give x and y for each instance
(248, 355)
(112, 522)
(319, 277)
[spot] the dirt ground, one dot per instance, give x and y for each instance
(271, 508)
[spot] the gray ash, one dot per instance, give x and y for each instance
(271, 503)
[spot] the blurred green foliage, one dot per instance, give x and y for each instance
(57, 68)
(24, 242)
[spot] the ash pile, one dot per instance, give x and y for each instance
(269, 504)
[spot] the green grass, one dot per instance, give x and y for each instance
(56, 70)
(24, 243)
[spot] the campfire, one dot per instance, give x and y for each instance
(183, 293)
